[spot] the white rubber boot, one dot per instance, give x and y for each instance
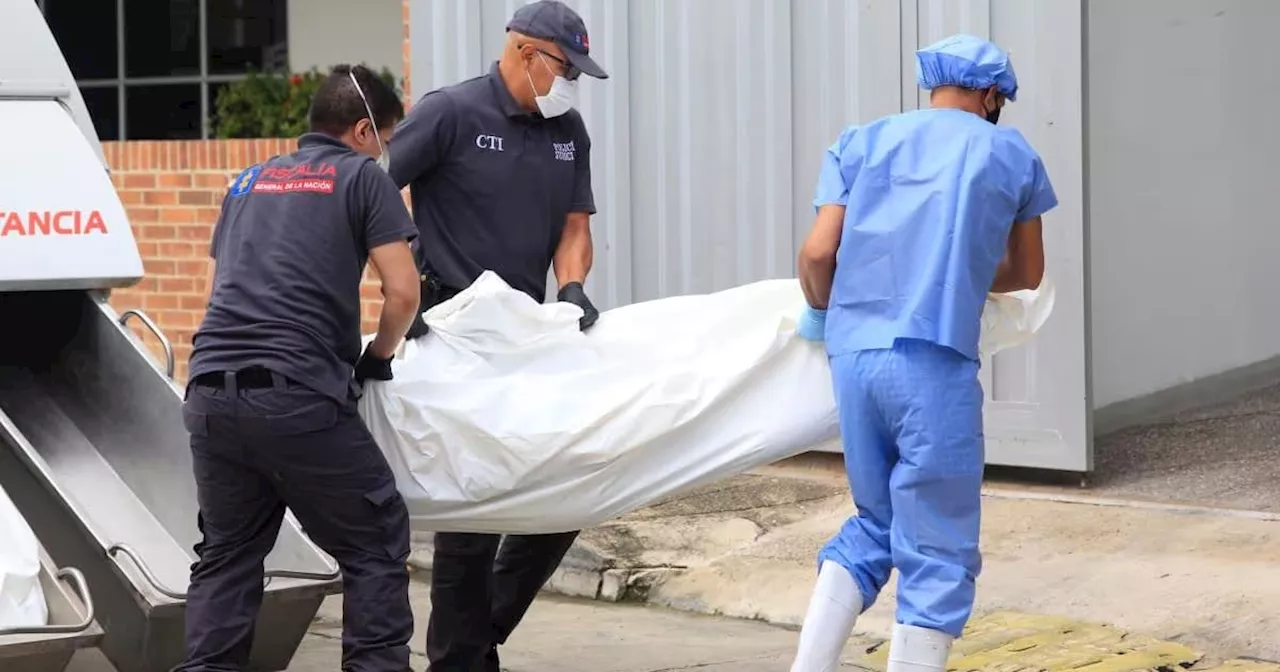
(918, 649)
(833, 609)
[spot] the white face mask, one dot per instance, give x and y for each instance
(562, 97)
(384, 157)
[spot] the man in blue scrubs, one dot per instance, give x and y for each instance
(920, 215)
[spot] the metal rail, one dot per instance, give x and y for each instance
(169, 364)
(129, 552)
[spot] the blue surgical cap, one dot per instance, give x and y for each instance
(967, 61)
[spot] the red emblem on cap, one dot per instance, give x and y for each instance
(583, 41)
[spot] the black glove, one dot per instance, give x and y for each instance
(371, 366)
(573, 293)
(417, 329)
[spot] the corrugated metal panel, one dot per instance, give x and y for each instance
(708, 135)
(846, 65)
(1036, 393)
(708, 138)
(711, 143)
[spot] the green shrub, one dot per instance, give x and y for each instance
(271, 105)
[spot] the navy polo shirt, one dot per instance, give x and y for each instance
(291, 246)
(491, 184)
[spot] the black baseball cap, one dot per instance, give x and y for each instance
(554, 22)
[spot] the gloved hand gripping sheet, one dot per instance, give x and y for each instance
(507, 418)
(21, 597)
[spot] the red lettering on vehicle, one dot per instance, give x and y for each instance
(51, 223)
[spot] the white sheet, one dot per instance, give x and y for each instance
(21, 596)
(505, 418)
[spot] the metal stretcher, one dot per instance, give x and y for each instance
(96, 458)
(93, 452)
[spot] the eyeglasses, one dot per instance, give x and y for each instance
(571, 72)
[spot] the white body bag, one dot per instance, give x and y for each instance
(21, 596)
(506, 418)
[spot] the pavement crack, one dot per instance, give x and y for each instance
(711, 512)
(325, 635)
(327, 622)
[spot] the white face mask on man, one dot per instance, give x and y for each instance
(562, 97)
(384, 157)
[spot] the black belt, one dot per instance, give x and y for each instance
(254, 378)
(433, 292)
(441, 295)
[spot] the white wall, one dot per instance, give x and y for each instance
(323, 33)
(1184, 178)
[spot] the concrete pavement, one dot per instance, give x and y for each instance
(745, 548)
(1085, 587)
(1219, 455)
(568, 635)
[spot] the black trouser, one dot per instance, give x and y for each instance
(261, 443)
(481, 584)
(480, 589)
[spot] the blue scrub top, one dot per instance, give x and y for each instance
(930, 198)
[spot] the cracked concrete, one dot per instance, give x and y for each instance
(745, 548)
(1203, 577)
(568, 635)
(625, 559)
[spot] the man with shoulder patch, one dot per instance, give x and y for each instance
(499, 173)
(275, 372)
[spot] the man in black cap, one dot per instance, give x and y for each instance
(499, 172)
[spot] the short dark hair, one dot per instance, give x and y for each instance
(337, 106)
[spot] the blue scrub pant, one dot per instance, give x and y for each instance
(260, 443)
(911, 421)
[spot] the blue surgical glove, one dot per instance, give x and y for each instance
(812, 324)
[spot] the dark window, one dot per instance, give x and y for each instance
(162, 41)
(245, 35)
(163, 112)
(104, 108)
(86, 34)
(161, 37)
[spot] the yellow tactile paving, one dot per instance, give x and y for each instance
(1012, 642)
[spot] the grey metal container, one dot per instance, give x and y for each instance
(96, 458)
(71, 626)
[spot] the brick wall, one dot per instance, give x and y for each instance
(404, 49)
(172, 192)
